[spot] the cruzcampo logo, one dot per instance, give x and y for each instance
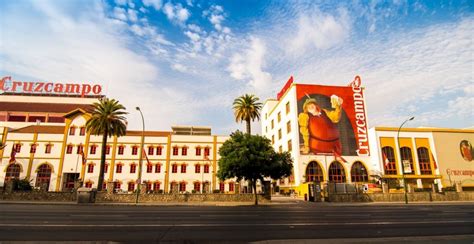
(7, 85)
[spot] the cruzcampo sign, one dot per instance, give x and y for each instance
(7, 85)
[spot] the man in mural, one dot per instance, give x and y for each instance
(318, 126)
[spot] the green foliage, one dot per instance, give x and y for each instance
(216, 191)
(251, 157)
(107, 119)
(449, 188)
(247, 108)
(22, 185)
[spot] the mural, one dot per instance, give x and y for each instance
(332, 120)
(466, 150)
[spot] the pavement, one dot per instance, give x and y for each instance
(293, 222)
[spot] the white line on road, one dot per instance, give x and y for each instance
(234, 224)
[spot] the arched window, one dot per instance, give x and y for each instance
(405, 153)
(43, 176)
(174, 188)
(314, 172)
(359, 173)
(13, 172)
(388, 157)
(337, 173)
(424, 160)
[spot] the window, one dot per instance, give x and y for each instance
(156, 186)
(93, 149)
(80, 149)
(272, 125)
(90, 168)
(117, 185)
(149, 168)
(107, 150)
(197, 168)
(197, 186)
(287, 107)
(72, 131)
(280, 149)
(273, 139)
(13, 172)
(206, 168)
(207, 151)
(148, 186)
(184, 151)
(279, 117)
(131, 186)
(290, 146)
(405, 153)
(134, 150)
(48, 149)
(118, 169)
(424, 160)
(175, 150)
(314, 172)
(69, 149)
(82, 131)
(106, 168)
(43, 176)
(279, 134)
(359, 173)
(158, 150)
(174, 168)
(133, 168)
(17, 147)
(151, 150)
(120, 150)
(266, 129)
(288, 127)
(282, 181)
(221, 186)
(158, 168)
(33, 148)
(388, 156)
(183, 168)
(231, 186)
(198, 151)
(89, 184)
(182, 186)
(337, 173)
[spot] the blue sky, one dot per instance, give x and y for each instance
(184, 62)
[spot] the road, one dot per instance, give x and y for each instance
(30, 222)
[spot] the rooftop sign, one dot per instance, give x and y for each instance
(7, 85)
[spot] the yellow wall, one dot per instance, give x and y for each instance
(390, 142)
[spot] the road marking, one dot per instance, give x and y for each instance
(98, 215)
(235, 225)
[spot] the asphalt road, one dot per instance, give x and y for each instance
(25, 222)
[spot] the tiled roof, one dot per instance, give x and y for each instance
(46, 129)
(41, 107)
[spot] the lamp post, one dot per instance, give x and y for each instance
(140, 158)
(403, 167)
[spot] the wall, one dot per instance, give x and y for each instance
(400, 197)
(453, 167)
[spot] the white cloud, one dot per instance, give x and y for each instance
(121, 2)
(156, 4)
(132, 15)
(216, 16)
(319, 30)
(193, 36)
(249, 65)
(176, 13)
(119, 13)
(179, 67)
(194, 28)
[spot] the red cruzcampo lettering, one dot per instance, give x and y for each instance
(96, 89)
(359, 109)
(48, 87)
(85, 89)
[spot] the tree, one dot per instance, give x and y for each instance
(247, 108)
(252, 158)
(107, 119)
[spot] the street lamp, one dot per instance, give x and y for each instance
(140, 158)
(403, 167)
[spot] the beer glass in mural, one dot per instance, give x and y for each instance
(466, 150)
(332, 120)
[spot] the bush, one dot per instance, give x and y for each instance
(160, 191)
(22, 185)
(449, 188)
(423, 189)
(216, 191)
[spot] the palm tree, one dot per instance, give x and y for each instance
(247, 108)
(107, 119)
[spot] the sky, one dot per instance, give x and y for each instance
(184, 62)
